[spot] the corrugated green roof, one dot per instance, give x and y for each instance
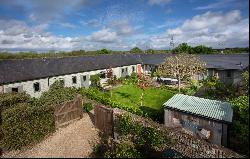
(205, 107)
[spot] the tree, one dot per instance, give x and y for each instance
(202, 49)
(150, 51)
(183, 48)
(182, 67)
(136, 50)
(104, 51)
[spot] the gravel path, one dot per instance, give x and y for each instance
(74, 140)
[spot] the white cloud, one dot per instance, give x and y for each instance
(218, 4)
(67, 25)
(218, 30)
(17, 35)
(159, 2)
(104, 36)
(213, 28)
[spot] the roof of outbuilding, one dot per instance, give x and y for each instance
(206, 108)
(218, 61)
(28, 69)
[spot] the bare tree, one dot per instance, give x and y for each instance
(181, 66)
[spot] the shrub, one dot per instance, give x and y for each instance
(31, 119)
(146, 137)
(8, 100)
(23, 124)
(95, 80)
(87, 107)
(122, 150)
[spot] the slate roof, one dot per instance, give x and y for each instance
(206, 108)
(218, 61)
(29, 69)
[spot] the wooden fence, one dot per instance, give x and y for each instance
(68, 111)
(104, 119)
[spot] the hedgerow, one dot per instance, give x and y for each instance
(27, 120)
(8, 100)
(24, 124)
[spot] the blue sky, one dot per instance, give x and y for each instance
(122, 24)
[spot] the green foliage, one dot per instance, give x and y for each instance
(8, 100)
(104, 98)
(240, 126)
(57, 94)
(28, 120)
(104, 51)
(183, 48)
(136, 50)
(150, 137)
(95, 80)
(87, 107)
(201, 49)
(245, 76)
(123, 150)
(144, 136)
(23, 124)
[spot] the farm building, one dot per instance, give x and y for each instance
(228, 67)
(34, 76)
(203, 118)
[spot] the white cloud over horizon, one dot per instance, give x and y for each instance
(214, 29)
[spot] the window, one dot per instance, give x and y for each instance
(126, 69)
(122, 70)
(36, 86)
(84, 78)
(229, 74)
(74, 80)
(15, 89)
(133, 68)
(61, 81)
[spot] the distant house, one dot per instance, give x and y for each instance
(203, 118)
(228, 67)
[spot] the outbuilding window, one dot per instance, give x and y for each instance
(229, 74)
(74, 80)
(36, 86)
(133, 68)
(15, 89)
(84, 78)
(61, 81)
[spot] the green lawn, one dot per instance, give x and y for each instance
(152, 101)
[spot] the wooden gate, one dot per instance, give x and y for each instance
(104, 119)
(66, 112)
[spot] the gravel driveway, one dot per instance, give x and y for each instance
(74, 140)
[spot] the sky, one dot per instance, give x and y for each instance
(65, 25)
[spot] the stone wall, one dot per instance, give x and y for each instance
(185, 144)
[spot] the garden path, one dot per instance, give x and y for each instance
(74, 140)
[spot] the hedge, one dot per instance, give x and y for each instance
(23, 124)
(8, 100)
(27, 120)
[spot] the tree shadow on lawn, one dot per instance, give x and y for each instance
(125, 95)
(156, 115)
